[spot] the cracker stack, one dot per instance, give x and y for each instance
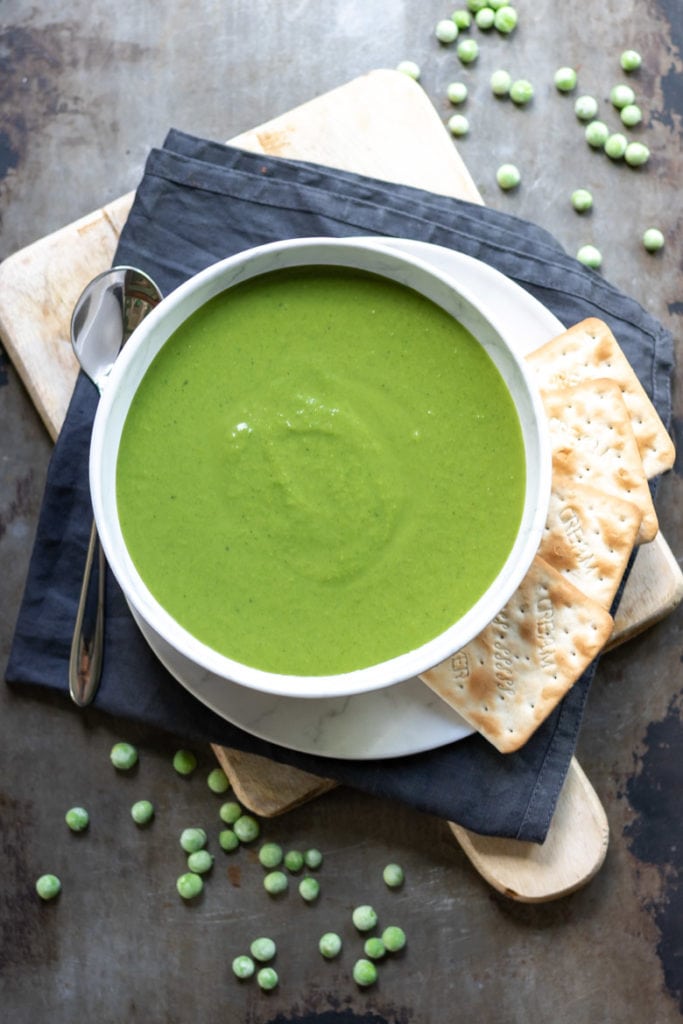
(607, 440)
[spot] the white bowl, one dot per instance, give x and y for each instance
(151, 335)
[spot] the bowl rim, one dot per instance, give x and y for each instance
(193, 293)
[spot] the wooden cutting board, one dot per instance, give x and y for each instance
(383, 125)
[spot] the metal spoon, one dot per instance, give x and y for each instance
(105, 316)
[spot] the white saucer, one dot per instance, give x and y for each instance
(406, 718)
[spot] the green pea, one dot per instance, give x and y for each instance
(313, 858)
(653, 239)
(506, 19)
(477, 5)
(565, 79)
(446, 30)
(631, 115)
(586, 107)
(227, 840)
(508, 176)
(462, 18)
(495, 5)
(394, 938)
(190, 885)
(589, 256)
(200, 862)
(500, 83)
(364, 973)
(294, 860)
(582, 200)
(243, 966)
(457, 92)
(636, 154)
(364, 917)
(184, 762)
(77, 818)
(142, 812)
(267, 978)
(270, 855)
(458, 124)
(275, 883)
(630, 60)
(263, 949)
(330, 945)
(621, 95)
(217, 781)
(468, 51)
(229, 812)
(521, 92)
(123, 756)
(485, 18)
(597, 134)
(246, 828)
(615, 146)
(48, 886)
(192, 839)
(393, 876)
(374, 948)
(409, 68)
(309, 889)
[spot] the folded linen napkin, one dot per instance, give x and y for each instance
(199, 202)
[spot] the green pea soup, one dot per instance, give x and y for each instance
(320, 470)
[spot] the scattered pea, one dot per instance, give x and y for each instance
(364, 917)
(330, 945)
(192, 839)
(630, 60)
(468, 51)
(393, 875)
(409, 68)
(294, 860)
(589, 256)
(200, 862)
(229, 812)
(653, 239)
(500, 83)
(565, 79)
(394, 938)
(123, 756)
(631, 115)
(184, 762)
(243, 966)
(485, 18)
(508, 176)
(458, 124)
(615, 146)
(48, 886)
(227, 840)
(275, 882)
(263, 949)
(217, 781)
(364, 973)
(582, 200)
(309, 889)
(190, 885)
(313, 858)
(77, 818)
(446, 30)
(457, 92)
(621, 95)
(374, 948)
(521, 92)
(142, 812)
(270, 855)
(246, 828)
(462, 18)
(506, 19)
(586, 107)
(636, 154)
(477, 5)
(597, 134)
(267, 978)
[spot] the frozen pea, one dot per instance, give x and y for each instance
(142, 812)
(508, 176)
(364, 917)
(500, 83)
(184, 762)
(653, 239)
(506, 19)
(246, 828)
(621, 95)
(230, 811)
(309, 889)
(477, 5)
(123, 756)
(631, 115)
(267, 978)
(77, 818)
(270, 855)
(394, 938)
(589, 256)
(630, 60)
(190, 885)
(636, 154)
(457, 92)
(565, 79)
(294, 860)
(409, 68)
(330, 945)
(374, 948)
(597, 134)
(217, 781)
(497, 4)
(586, 107)
(521, 91)
(462, 18)
(615, 146)
(582, 200)
(263, 949)
(243, 966)
(458, 124)
(485, 18)
(227, 840)
(446, 30)
(364, 972)
(192, 839)
(48, 886)
(468, 51)
(200, 862)
(275, 883)
(393, 875)
(313, 858)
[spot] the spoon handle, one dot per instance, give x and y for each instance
(85, 662)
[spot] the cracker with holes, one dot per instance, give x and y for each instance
(589, 536)
(587, 351)
(592, 442)
(508, 679)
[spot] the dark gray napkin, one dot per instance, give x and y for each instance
(199, 202)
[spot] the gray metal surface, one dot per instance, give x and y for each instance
(85, 90)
